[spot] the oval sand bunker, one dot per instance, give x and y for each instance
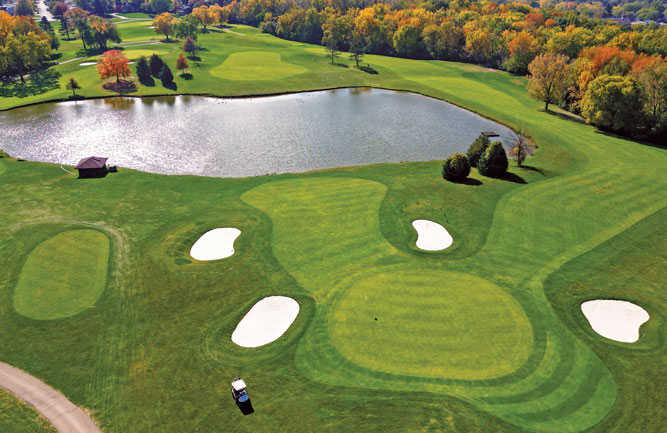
(615, 320)
(431, 235)
(87, 63)
(215, 244)
(266, 321)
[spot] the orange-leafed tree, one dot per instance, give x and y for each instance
(113, 63)
(204, 16)
(548, 78)
(181, 63)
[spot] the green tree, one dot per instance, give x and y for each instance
(24, 7)
(160, 6)
(335, 30)
(456, 168)
(548, 78)
(72, 85)
(613, 102)
(477, 148)
(156, 65)
(166, 76)
(188, 26)
(143, 70)
(493, 161)
(407, 41)
(357, 47)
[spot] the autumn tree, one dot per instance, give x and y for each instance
(23, 45)
(189, 46)
(103, 31)
(407, 41)
(79, 19)
(59, 9)
(614, 102)
(113, 63)
(522, 49)
(335, 30)
(653, 78)
(164, 24)
(220, 15)
(204, 15)
(479, 46)
(72, 85)
(181, 63)
(547, 78)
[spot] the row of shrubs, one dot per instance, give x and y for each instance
(156, 67)
(489, 158)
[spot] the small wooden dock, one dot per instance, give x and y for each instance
(490, 133)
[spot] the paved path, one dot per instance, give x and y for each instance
(62, 413)
(43, 12)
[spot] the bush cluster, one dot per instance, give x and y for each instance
(456, 168)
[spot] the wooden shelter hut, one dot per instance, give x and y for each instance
(93, 166)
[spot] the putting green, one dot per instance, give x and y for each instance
(255, 65)
(63, 275)
(446, 324)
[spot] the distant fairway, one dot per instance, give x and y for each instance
(63, 276)
(255, 65)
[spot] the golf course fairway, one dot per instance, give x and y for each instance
(484, 336)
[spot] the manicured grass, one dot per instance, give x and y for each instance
(583, 219)
(255, 65)
(17, 417)
(63, 275)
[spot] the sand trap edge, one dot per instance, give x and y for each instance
(266, 321)
(431, 236)
(615, 319)
(215, 244)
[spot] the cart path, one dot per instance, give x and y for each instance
(62, 413)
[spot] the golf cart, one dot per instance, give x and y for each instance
(238, 391)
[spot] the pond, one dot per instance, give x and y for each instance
(245, 137)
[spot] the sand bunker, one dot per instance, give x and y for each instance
(87, 63)
(215, 244)
(266, 321)
(615, 320)
(431, 235)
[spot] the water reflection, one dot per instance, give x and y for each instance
(245, 137)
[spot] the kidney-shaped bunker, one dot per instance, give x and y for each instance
(431, 236)
(266, 321)
(614, 319)
(215, 244)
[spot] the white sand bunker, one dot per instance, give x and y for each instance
(215, 244)
(87, 63)
(266, 321)
(616, 320)
(431, 236)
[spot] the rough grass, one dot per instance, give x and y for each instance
(63, 275)
(17, 417)
(155, 353)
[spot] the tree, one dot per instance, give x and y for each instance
(113, 63)
(477, 148)
(493, 161)
(156, 64)
(143, 70)
(334, 29)
(24, 7)
(166, 76)
(613, 102)
(204, 15)
(653, 77)
(59, 9)
(181, 63)
(66, 26)
(26, 51)
(164, 24)
(357, 47)
(407, 40)
(547, 79)
(79, 19)
(456, 168)
(221, 15)
(189, 46)
(520, 147)
(523, 49)
(103, 31)
(72, 85)
(160, 6)
(479, 46)
(188, 26)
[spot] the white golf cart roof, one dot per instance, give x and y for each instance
(238, 385)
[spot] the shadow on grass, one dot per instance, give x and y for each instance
(246, 408)
(39, 82)
(170, 86)
(511, 177)
(56, 56)
(187, 76)
(531, 168)
(367, 69)
(148, 81)
(569, 116)
(340, 65)
(122, 87)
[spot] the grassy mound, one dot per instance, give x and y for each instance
(63, 276)
(255, 65)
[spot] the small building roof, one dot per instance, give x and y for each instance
(92, 162)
